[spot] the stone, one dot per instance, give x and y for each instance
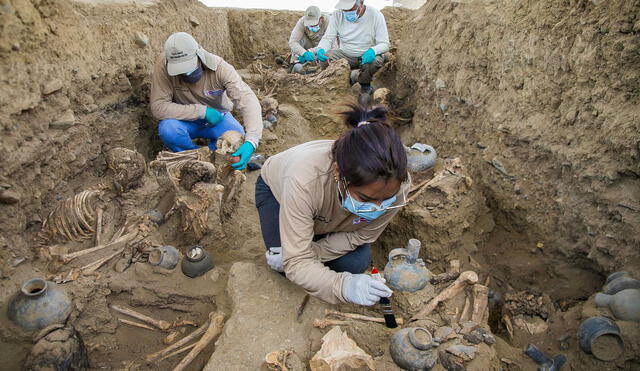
(141, 39)
(194, 21)
(9, 197)
(269, 136)
(15, 47)
(52, 87)
(444, 333)
(63, 122)
(450, 362)
(474, 337)
(264, 310)
(467, 327)
(440, 84)
(443, 107)
(465, 352)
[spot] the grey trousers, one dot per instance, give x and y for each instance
(366, 70)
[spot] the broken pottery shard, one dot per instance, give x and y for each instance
(474, 337)
(9, 197)
(141, 39)
(63, 122)
(465, 352)
(450, 362)
(444, 333)
(52, 87)
(339, 352)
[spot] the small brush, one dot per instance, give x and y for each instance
(387, 311)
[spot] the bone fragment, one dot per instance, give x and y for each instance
(98, 226)
(480, 300)
(197, 332)
(136, 324)
(466, 278)
(454, 266)
(92, 267)
(360, 317)
(508, 324)
(118, 233)
(215, 328)
(444, 277)
(66, 258)
(322, 323)
(465, 310)
(182, 350)
(171, 337)
(162, 325)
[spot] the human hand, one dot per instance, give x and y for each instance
(212, 116)
(274, 259)
(308, 56)
(321, 56)
(244, 152)
(369, 56)
(363, 289)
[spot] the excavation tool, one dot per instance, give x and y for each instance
(387, 311)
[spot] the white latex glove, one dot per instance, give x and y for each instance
(274, 259)
(363, 289)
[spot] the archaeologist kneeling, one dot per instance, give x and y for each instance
(364, 40)
(192, 92)
(322, 203)
(305, 36)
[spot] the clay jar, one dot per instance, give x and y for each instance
(405, 271)
(164, 256)
(421, 157)
(38, 304)
(600, 336)
(411, 349)
(625, 305)
(196, 262)
(58, 348)
(619, 281)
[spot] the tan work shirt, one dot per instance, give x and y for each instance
(302, 180)
(220, 88)
(302, 38)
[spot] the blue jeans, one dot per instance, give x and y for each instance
(177, 135)
(356, 261)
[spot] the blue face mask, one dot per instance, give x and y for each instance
(350, 15)
(314, 28)
(193, 76)
(367, 210)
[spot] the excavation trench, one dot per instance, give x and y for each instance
(533, 219)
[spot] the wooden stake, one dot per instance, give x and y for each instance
(215, 328)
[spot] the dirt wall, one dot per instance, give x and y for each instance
(541, 100)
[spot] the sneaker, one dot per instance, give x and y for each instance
(297, 68)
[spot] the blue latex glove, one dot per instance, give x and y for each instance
(363, 289)
(308, 57)
(212, 116)
(369, 56)
(321, 56)
(245, 151)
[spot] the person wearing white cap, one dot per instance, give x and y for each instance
(306, 35)
(192, 95)
(364, 39)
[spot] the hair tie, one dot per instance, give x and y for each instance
(361, 123)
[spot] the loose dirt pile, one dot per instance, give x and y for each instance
(532, 107)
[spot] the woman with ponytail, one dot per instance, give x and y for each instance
(322, 203)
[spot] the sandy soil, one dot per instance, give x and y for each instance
(537, 104)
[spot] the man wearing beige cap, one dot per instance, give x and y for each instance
(364, 40)
(306, 35)
(192, 94)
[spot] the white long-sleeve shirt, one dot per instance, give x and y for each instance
(369, 31)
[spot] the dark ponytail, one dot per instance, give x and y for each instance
(370, 150)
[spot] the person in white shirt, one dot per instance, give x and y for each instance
(306, 35)
(364, 40)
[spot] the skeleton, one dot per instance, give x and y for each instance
(73, 219)
(200, 208)
(129, 167)
(465, 279)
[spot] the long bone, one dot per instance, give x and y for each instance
(466, 278)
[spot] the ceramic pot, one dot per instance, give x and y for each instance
(421, 157)
(625, 305)
(58, 348)
(164, 256)
(196, 262)
(38, 304)
(600, 336)
(155, 216)
(411, 349)
(405, 271)
(619, 281)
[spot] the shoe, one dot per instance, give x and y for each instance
(297, 68)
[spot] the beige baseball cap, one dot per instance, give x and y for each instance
(180, 49)
(312, 16)
(345, 4)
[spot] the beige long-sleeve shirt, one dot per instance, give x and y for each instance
(302, 38)
(220, 88)
(302, 180)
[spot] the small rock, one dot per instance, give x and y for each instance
(17, 262)
(443, 107)
(564, 345)
(141, 39)
(444, 333)
(480, 145)
(450, 362)
(467, 327)
(267, 124)
(440, 84)
(194, 21)
(15, 47)
(8, 197)
(465, 352)
(506, 361)
(67, 120)
(52, 87)
(474, 337)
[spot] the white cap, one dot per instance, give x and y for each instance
(180, 50)
(345, 4)
(312, 16)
